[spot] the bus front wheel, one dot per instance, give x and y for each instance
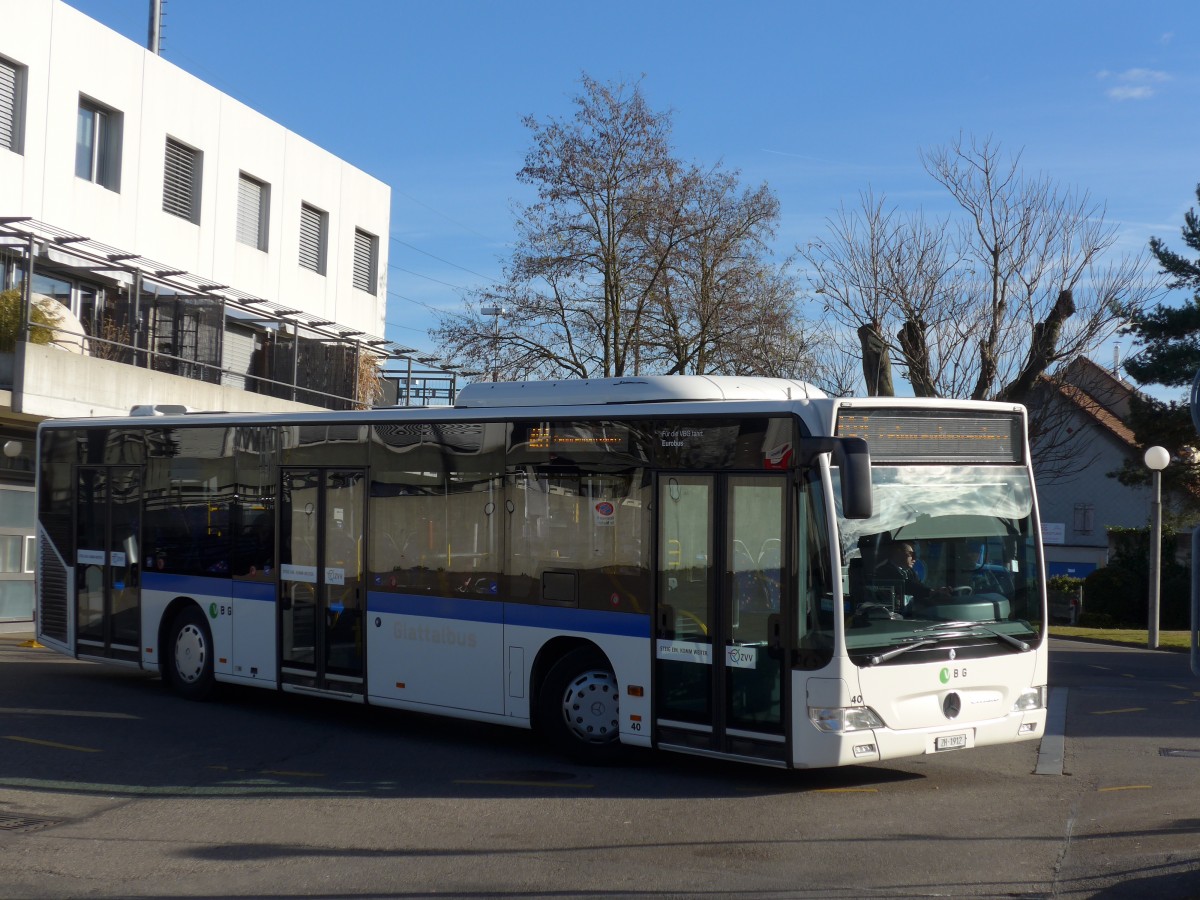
(189, 668)
(579, 707)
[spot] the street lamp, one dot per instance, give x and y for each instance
(495, 312)
(1156, 459)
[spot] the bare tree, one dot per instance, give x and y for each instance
(890, 278)
(987, 303)
(629, 261)
(719, 297)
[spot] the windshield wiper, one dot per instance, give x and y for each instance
(892, 654)
(953, 629)
(950, 630)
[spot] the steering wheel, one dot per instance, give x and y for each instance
(962, 591)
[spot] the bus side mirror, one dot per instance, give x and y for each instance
(854, 459)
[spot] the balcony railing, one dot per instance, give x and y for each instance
(137, 312)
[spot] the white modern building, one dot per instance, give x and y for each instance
(192, 251)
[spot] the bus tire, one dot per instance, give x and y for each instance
(579, 707)
(189, 663)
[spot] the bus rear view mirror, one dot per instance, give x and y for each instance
(852, 457)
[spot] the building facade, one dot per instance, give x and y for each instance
(1088, 404)
(162, 243)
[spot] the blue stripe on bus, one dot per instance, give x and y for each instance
(493, 612)
(436, 607)
(186, 584)
(254, 590)
(560, 618)
(194, 585)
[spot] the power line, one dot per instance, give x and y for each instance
(442, 214)
(432, 309)
(439, 259)
(457, 287)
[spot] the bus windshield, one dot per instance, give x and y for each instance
(948, 547)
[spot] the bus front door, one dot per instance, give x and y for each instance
(719, 655)
(322, 520)
(107, 574)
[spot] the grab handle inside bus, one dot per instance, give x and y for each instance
(851, 455)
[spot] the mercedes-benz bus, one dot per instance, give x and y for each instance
(689, 563)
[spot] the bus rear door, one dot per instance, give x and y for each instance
(107, 575)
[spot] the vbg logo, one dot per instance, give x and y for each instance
(946, 674)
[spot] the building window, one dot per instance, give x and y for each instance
(314, 225)
(1085, 514)
(365, 249)
(12, 106)
(181, 180)
(98, 145)
(254, 198)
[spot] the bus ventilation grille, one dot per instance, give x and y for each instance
(52, 610)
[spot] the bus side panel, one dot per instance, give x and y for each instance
(440, 651)
(623, 637)
(254, 633)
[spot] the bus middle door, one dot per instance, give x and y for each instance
(322, 594)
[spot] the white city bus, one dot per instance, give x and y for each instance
(688, 563)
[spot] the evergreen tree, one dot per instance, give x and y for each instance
(1168, 340)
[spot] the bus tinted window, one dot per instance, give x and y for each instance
(436, 502)
(256, 451)
(188, 489)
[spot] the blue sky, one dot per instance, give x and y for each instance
(820, 100)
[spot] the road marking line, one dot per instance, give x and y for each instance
(1127, 675)
(1113, 712)
(57, 746)
(79, 713)
(1125, 787)
(556, 784)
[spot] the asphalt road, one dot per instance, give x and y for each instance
(112, 787)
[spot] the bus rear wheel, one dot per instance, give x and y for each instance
(189, 668)
(579, 707)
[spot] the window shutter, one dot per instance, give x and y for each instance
(181, 179)
(312, 238)
(251, 212)
(9, 107)
(364, 261)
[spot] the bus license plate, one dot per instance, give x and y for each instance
(950, 742)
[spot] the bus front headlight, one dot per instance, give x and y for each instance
(841, 719)
(1031, 698)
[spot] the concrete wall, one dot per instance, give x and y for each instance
(68, 55)
(57, 384)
